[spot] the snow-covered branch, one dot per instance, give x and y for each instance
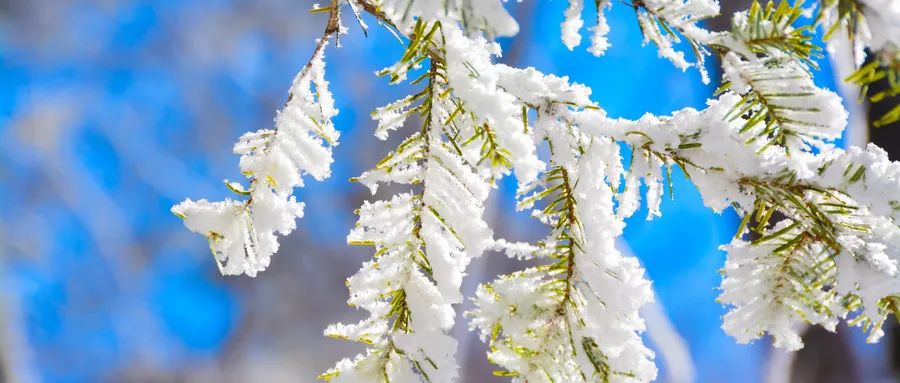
(834, 249)
(242, 234)
(819, 241)
(423, 239)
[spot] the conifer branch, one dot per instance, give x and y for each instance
(818, 240)
(872, 33)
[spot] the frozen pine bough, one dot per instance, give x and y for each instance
(819, 241)
(242, 234)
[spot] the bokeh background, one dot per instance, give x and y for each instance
(112, 111)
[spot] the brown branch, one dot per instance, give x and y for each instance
(331, 28)
(373, 10)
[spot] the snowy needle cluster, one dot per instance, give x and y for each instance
(819, 241)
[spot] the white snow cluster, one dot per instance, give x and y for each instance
(572, 24)
(488, 16)
(242, 234)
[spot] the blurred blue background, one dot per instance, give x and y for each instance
(112, 111)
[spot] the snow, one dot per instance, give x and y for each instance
(571, 26)
(242, 235)
(575, 316)
(599, 42)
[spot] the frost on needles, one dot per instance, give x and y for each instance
(819, 240)
(242, 233)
